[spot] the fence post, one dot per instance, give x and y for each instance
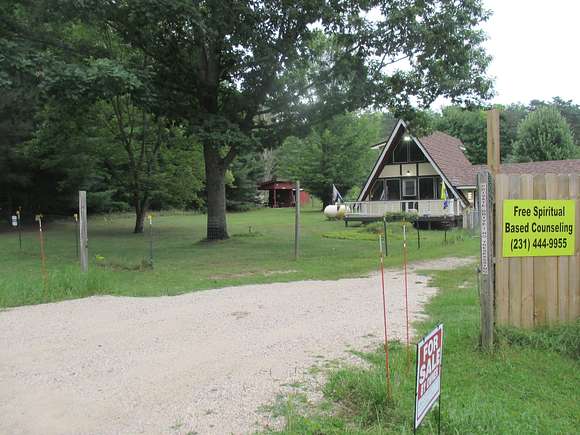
(18, 214)
(77, 244)
(150, 217)
(297, 221)
(83, 234)
(418, 236)
(42, 253)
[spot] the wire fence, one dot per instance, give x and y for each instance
(171, 255)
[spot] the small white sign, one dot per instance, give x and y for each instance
(429, 359)
(14, 220)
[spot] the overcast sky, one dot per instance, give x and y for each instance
(536, 49)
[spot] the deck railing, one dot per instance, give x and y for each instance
(424, 207)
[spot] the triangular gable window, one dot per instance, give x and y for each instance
(407, 152)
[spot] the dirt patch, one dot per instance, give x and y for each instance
(202, 362)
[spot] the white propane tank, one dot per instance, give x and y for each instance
(331, 211)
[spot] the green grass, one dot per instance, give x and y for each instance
(564, 339)
(184, 263)
(527, 386)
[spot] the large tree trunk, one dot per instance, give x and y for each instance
(216, 194)
(141, 208)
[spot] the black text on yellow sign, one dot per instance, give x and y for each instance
(538, 227)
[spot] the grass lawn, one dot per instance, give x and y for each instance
(184, 263)
(529, 385)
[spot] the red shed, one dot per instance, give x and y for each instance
(282, 193)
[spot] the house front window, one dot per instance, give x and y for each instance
(429, 187)
(394, 190)
(378, 190)
(409, 188)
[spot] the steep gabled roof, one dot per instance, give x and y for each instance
(447, 152)
(432, 144)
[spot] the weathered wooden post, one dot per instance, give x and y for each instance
(83, 234)
(297, 222)
(150, 217)
(485, 186)
(76, 218)
(486, 294)
(493, 146)
(19, 216)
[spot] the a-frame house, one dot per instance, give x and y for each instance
(407, 177)
(411, 173)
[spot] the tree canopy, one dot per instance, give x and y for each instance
(337, 152)
(544, 135)
(242, 75)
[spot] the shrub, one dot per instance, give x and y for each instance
(544, 135)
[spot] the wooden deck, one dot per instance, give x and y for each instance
(422, 222)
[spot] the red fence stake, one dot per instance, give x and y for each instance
(406, 293)
(387, 369)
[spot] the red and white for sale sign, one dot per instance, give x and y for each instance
(429, 358)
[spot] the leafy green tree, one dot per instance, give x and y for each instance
(141, 136)
(180, 177)
(120, 154)
(510, 117)
(61, 156)
(469, 126)
(17, 112)
(567, 108)
(544, 135)
(242, 192)
(244, 74)
(150, 161)
(337, 152)
(571, 112)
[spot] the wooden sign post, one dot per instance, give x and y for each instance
(485, 186)
(83, 234)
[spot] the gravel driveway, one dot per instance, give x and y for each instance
(197, 363)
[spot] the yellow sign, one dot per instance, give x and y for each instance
(538, 227)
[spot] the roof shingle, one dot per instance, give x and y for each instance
(447, 153)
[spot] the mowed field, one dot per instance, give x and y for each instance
(260, 250)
